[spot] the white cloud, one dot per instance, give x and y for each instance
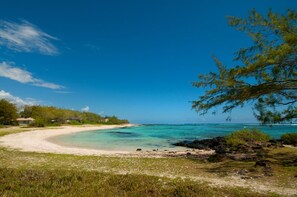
(26, 37)
(8, 70)
(16, 100)
(85, 109)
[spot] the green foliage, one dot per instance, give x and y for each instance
(246, 137)
(39, 122)
(265, 73)
(290, 138)
(45, 115)
(8, 113)
(89, 118)
(74, 122)
(115, 120)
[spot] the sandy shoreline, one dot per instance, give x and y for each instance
(38, 141)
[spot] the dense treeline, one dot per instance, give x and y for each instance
(48, 115)
(8, 112)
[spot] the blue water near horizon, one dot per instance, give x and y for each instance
(149, 137)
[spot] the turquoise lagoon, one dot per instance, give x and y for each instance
(149, 137)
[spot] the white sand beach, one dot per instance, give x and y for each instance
(38, 141)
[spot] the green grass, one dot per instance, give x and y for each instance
(148, 169)
(6, 131)
(18, 129)
(29, 182)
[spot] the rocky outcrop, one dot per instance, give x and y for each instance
(248, 152)
(218, 144)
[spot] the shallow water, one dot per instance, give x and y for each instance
(148, 137)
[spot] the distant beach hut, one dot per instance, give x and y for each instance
(106, 120)
(25, 121)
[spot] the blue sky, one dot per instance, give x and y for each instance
(133, 59)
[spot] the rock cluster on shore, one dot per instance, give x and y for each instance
(250, 151)
(218, 144)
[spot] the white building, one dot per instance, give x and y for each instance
(25, 121)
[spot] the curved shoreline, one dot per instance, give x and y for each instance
(39, 141)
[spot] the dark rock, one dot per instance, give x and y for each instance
(247, 152)
(139, 149)
(189, 154)
(242, 156)
(263, 163)
(275, 143)
(218, 144)
(257, 147)
(216, 158)
(246, 177)
(268, 171)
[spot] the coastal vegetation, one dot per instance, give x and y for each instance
(8, 113)
(246, 137)
(290, 138)
(265, 73)
(52, 116)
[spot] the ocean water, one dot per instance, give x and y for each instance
(149, 137)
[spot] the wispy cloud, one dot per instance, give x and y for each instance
(8, 70)
(85, 109)
(26, 37)
(16, 100)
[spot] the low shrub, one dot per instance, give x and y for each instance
(38, 123)
(290, 138)
(54, 124)
(246, 137)
(74, 122)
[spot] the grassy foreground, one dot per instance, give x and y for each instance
(28, 182)
(39, 174)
